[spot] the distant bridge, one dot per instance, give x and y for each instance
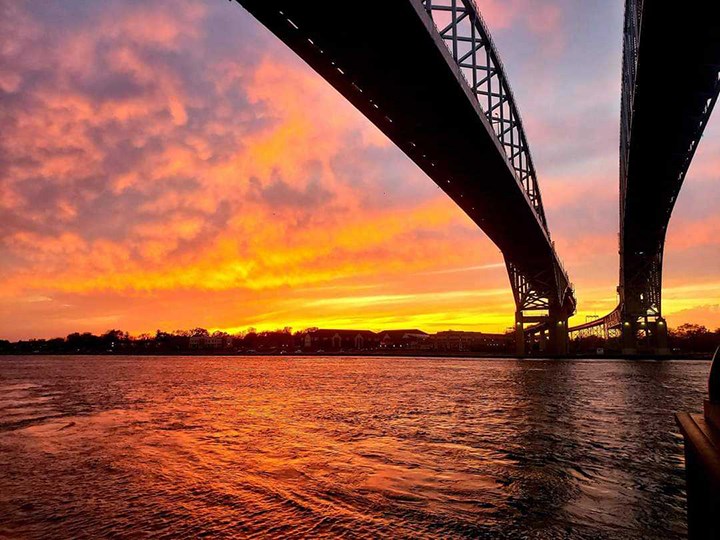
(670, 84)
(428, 75)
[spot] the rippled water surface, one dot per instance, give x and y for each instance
(342, 447)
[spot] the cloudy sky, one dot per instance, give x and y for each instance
(170, 164)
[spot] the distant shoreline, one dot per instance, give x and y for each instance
(379, 354)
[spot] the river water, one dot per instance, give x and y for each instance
(137, 447)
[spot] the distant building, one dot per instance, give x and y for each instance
(197, 342)
(209, 342)
(335, 340)
(456, 340)
(403, 339)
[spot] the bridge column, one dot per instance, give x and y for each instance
(661, 337)
(519, 335)
(558, 339)
(628, 337)
(661, 332)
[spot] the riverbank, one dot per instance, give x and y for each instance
(419, 354)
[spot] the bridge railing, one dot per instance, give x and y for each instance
(466, 36)
(605, 327)
(631, 43)
(566, 286)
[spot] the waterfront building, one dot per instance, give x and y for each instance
(403, 339)
(335, 340)
(209, 342)
(460, 341)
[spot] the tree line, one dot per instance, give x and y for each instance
(685, 339)
(119, 341)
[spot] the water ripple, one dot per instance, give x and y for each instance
(342, 448)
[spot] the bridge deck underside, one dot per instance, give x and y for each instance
(666, 107)
(392, 65)
(677, 73)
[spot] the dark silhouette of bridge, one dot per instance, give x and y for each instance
(670, 84)
(428, 75)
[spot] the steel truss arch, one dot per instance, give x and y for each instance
(545, 298)
(466, 36)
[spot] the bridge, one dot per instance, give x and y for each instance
(670, 84)
(428, 75)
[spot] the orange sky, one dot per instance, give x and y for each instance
(172, 165)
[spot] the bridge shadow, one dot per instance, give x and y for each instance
(592, 448)
(542, 446)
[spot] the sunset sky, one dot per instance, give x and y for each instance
(171, 164)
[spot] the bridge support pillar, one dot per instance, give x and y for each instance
(628, 338)
(519, 335)
(652, 338)
(558, 339)
(661, 337)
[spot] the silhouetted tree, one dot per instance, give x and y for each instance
(199, 332)
(693, 338)
(85, 342)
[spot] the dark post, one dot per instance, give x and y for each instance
(661, 337)
(558, 338)
(702, 460)
(519, 335)
(629, 336)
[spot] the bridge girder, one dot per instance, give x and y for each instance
(662, 119)
(460, 25)
(653, 161)
(548, 290)
(448, 106)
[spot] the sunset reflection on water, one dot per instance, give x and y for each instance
(355, 447)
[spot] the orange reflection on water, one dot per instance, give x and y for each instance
(361, 447)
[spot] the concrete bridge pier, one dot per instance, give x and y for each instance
(558, 338)
(519, 335)
(643, 335)
(628, 336)
(661, 337)
(553, 338)
(558, 343)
